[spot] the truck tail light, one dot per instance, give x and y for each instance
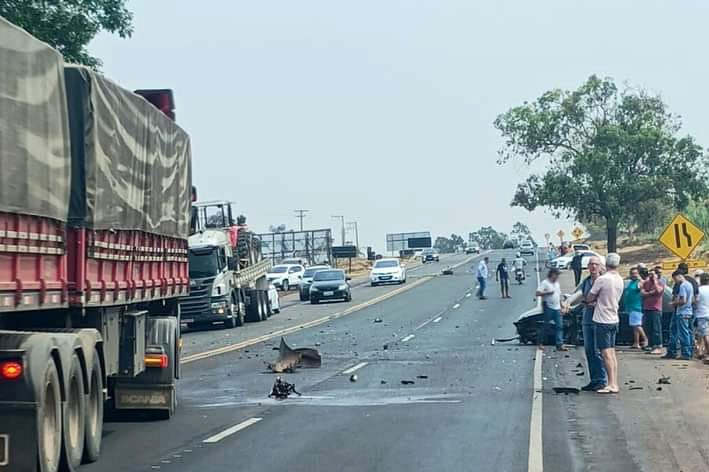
(162, 99)
(159, 361)
(10, 370)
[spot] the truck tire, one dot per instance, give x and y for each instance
(49, 420)
(93, 431)
(254, 307)
(74, 417)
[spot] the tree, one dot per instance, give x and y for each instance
(606, 150)
(521, 232)
(488, 238)
(69, 25)
(448, 245)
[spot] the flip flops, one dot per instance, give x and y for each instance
(607, 391)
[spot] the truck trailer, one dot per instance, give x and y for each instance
(95, 188)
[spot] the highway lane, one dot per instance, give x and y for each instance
(469, 401)
(295, 312)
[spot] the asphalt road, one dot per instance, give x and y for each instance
(468, 406)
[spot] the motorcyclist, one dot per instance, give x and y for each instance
(520, 263)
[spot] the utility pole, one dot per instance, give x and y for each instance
(342, 220)
(300, 214)
(354, 223)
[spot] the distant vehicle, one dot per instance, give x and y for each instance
(387, 271)
(581, 247)
(308, 279)
(430, 255)
(285, 276)
(508, 245)
(526, 248)
(330, 284)
(472, 248)
(564, 262)
(273, 299)
(417, 253)
(295, 261)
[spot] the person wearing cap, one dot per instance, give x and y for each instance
(606, 292)
(550, 291)
(681, 320)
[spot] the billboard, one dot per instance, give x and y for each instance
(402, 241)
(315, 246)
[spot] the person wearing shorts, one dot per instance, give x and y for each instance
(606, 292)
(701, 314)
(632, 303)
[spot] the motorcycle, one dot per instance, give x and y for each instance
(519, 275)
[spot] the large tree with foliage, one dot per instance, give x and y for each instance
(489, 238)
(605, 150)
(521, 232)
(69, 25)
(448, 245)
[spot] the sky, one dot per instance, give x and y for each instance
(382, 111)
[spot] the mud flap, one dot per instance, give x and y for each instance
(17, 431)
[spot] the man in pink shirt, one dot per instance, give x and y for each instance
(651, 291)
(607, 291)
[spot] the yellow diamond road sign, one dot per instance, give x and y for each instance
(577, 232)
(681, 236)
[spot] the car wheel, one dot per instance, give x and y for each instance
(286, 285)
(314, 301)
(302, 296)
(374, 284)
(349, 297)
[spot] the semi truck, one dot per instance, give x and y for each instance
(95, 201)
(228, 284)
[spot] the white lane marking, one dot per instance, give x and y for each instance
(229, 431)
(408, 338)
(354, 368)
(438, 319)
(536, 456)
(456, 306)
(467, 295)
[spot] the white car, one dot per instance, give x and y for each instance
(273, 299)
(387, 271)
(564, 262)
(472, 248)
(526, 248)
(285, 276)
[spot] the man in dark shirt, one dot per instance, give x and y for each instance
(577, 267)
(502, 275)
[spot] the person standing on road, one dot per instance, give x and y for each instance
(651, 292)
(701, 313)
(502, 275)
(482, 275)
(682, 318)
(596, 370)
(550, 291)
(577, 267)
(606, 292)
(632, 303)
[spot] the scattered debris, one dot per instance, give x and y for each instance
(567, 390)
(631, 381)
(664, 380)
(506, 340)
(289, 358)
(580, 374)
(378, 320)
(658, 389)
(282, 389)
(447, 271)
(385, 347)
(637, 388)
(492, 342)
(579, 366)
(382, 382)
(407, 382)
(353, 378)
(422, 376)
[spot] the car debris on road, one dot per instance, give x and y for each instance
(289, 359)
(282, 389)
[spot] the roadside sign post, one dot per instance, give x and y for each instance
(681, 237)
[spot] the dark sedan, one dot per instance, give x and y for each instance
(330, 285)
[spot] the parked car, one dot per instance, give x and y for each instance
(564, 262)
(508, 245)
(472, 248)
(430, 255)
(418, 253)
(387, 271)
(581, 247)
(527, 248)
(330, 284)
(273, 299)
(308, 279)
(295, 261)
(285, 276)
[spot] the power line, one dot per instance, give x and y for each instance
(300, 214)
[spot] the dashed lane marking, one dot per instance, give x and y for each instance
(229, 431)
(354, 368)
(408, 338)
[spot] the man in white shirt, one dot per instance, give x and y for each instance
(482, 275)
(701, 313)
(520, 262)
(606, 292)
(550, 291)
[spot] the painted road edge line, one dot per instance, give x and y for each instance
(354, 368)
(436, 320)
(408, 338)
(536, 451)
(266, 337)
(229, 431)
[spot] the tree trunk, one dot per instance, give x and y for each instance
(612, 236)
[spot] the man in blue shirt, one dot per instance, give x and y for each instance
(682, 318)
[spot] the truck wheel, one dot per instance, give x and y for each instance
(49, 421)
(253, 309)
(94, 413)
(74, 418)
